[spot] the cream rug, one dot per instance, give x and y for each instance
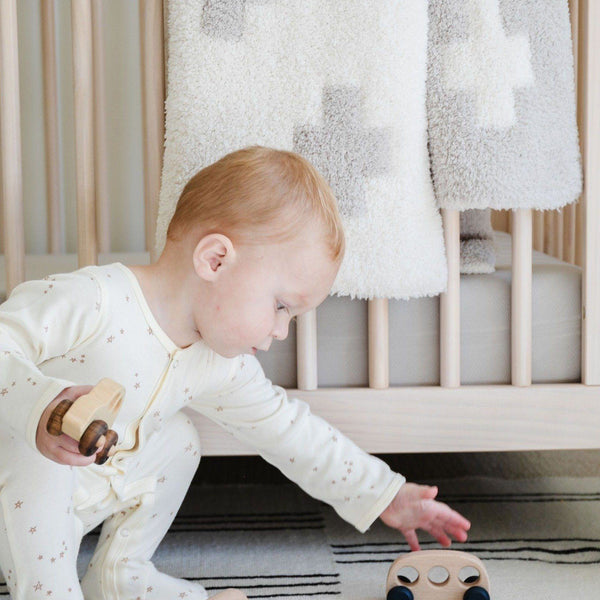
(539, 540)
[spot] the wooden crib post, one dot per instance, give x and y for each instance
(100, 142)
(55, 226)
(570, 211)
(576, 10)
(450, 304)
(10, 147)
(379, 351)
(590, 141)
(521, 298)
(153, 100)
(306, 350)
(538, 230)
(87, 245)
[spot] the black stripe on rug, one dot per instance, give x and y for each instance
(473, 542)
(276, 586)
(525, 497)
(573, 551)
(241, 522)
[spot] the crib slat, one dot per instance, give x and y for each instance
(549, 241)
(10, 146)
(538, 230)
(450, 304)
(379, 349)
(570, 211)
(590, 138)
(558, 233)
(306, 350)
(578, 10)
(54, 219)
(81, 20)
(100, 145)
(521, 298)
(153, 97)
(569, 234)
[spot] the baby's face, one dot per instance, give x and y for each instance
(253, 302)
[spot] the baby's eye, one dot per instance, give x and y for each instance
(281, 306)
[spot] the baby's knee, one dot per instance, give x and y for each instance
(181, 429)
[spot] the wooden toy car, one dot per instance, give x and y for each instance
(88, 419)
(437, 575)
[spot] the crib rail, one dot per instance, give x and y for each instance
(10, 146)
(573, 234)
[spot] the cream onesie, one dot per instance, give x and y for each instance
(77, 328)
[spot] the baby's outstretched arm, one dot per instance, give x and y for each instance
(414, 507)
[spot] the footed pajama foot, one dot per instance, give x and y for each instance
(153, 585)
(230, 594)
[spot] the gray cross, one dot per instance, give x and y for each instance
(225, 18)
(489, 64)
(342, 149)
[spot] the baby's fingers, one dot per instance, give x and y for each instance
(411, 538)
(456, 520)
(74, 459)
(440, 535)
(456, 527)
(458, 533)
(68, 443)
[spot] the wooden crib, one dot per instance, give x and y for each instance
(381, 418)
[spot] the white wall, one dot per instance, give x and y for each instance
(123, 122)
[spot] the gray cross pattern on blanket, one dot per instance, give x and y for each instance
(489, 64)
(226, 18)
(343, 149)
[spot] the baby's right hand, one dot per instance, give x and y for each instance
(62, 449)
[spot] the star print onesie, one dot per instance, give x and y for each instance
(77, 328)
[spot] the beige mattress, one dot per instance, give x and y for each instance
(414, 327)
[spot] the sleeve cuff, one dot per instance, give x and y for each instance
(55, 387)
(382, 503)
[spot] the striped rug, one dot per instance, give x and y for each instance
(539, 539)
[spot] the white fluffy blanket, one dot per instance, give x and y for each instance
(341, 82)
(501, 104)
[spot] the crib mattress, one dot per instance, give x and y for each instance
(414, 327)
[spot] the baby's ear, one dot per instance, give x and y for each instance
(213, 253)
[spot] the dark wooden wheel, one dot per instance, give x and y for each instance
(111, 439)
(476, 593)
(54, 425)
(88, 444)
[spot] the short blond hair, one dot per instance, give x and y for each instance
(258, 191)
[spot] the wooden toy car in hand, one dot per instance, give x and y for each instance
(437, 575)
(88, 419)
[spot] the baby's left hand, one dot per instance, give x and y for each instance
(414, 508)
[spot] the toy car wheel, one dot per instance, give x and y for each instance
(55, 421)
(476, 593)
(88, 444)
(111, 438)
(400, 592)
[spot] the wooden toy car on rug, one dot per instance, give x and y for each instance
(89, 418)
(437, 575)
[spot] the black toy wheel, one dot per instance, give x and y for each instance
(111, 439)
(400, 592)
(88, 444)
(476, 593)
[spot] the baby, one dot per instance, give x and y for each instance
(255, 240)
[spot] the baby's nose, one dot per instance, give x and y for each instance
(281, 331)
